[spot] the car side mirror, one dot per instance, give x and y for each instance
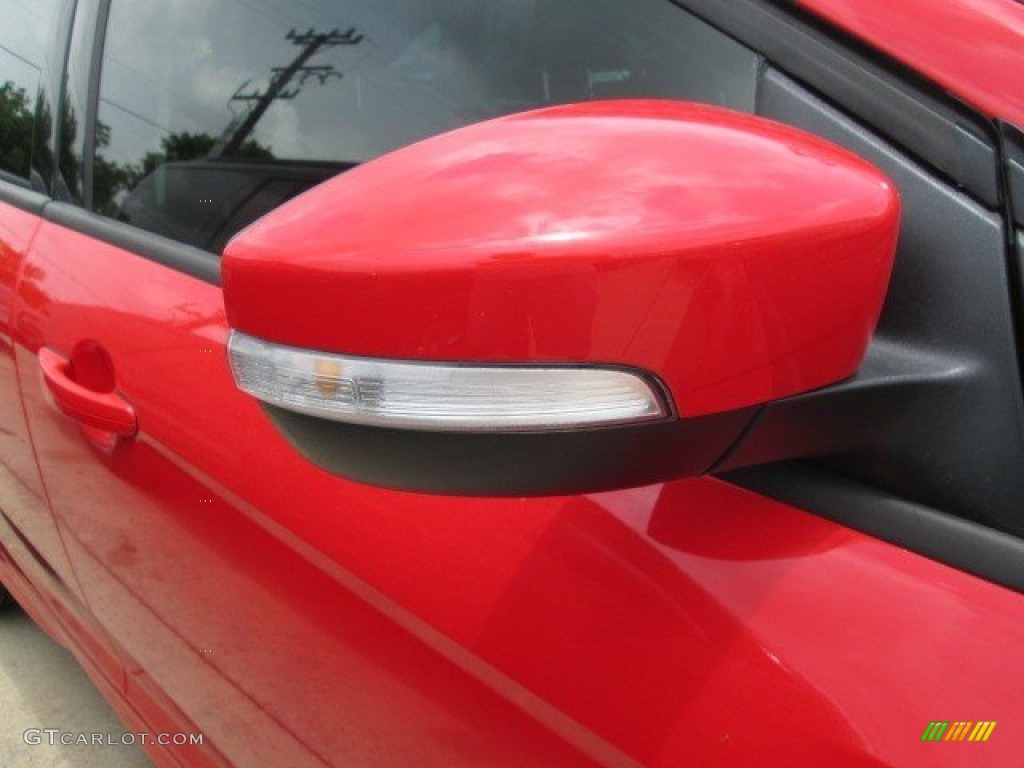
(568, 300)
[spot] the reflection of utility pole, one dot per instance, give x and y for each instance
(238, 130)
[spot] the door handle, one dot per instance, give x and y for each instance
(105, 411)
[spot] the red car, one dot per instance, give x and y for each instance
(635, 384)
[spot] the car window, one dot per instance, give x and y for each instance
(24, 47)
(212, 113)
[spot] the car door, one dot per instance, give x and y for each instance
(297, 618)
(33, 559)
(23, 54)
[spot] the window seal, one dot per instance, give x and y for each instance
(200, 264)
(1013, 147)
(19, 193)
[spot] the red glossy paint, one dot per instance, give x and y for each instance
(306, 620)
(973, 48)
(22, 498)
(103, 410)
(739, 260)
(68, 623)
(299, 619)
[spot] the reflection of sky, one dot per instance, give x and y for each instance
(26, 28)
(424, 66)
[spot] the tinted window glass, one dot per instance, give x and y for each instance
(71, 184)
(212, 112)
(26, 28)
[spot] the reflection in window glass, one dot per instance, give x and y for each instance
(212, 112)
(70, 177)
(25, 31)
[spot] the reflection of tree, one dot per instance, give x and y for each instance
(19, 122)
(185, 146)
(43, 160)
(70, 158)
(15, 130)
(110, 179)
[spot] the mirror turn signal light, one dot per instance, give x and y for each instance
(435, 396)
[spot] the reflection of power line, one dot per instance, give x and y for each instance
(134, 114)
(239, 129)
(274, 12)
(20, 58)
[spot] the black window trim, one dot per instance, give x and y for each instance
(962, 544)
(197, 263)
(1013, 146)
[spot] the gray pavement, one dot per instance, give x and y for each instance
(42, 686)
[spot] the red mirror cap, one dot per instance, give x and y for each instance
(736, 259)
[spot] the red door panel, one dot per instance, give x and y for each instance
(22, 499)
(300, 619)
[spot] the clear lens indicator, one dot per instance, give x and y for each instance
(441, 396)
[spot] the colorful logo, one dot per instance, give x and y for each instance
(958, 731)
